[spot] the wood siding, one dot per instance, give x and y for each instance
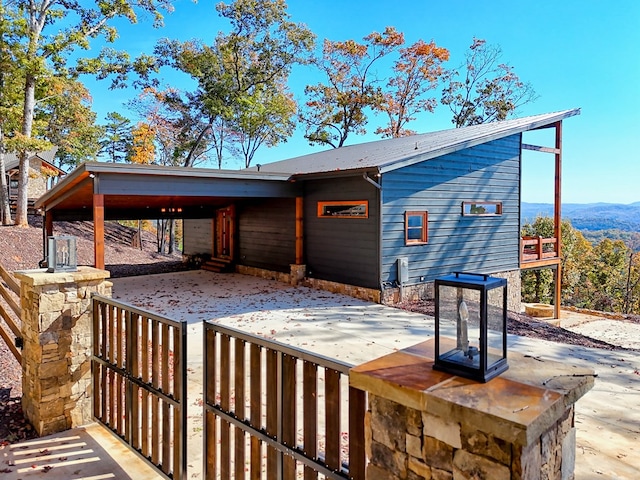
(344, 250)
(484, 244)
(267, 234)
(198, 238)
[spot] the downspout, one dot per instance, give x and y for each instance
(379, 187)
(45, 255)
(372, 182)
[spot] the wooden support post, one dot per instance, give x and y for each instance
(98, 231)
(299, 231)
(557, 218)
(48, 224)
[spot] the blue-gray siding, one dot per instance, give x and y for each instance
(267, 234)
(344, 250)
(489, 172)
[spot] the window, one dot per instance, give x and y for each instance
(359, 209)
(415, 228)
(482, 209)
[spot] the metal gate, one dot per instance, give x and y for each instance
(276, 412)
(139, 382)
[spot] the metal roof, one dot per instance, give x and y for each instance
(11, 160)
(394, 153)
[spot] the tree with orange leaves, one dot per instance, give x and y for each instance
(338, 108)
(417, 71)
(143, 150)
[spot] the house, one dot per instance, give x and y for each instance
(43, 174)
(380, 220)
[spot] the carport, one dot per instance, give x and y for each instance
(107, 191)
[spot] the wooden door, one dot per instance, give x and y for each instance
(225, 232)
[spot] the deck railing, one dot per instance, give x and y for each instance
(10, 293)
(538, 248)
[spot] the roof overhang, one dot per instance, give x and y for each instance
(148, 191)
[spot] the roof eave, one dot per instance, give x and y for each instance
(452, 148)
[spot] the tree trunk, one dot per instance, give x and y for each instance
(5, 209)
(23, 174)
(172, 236)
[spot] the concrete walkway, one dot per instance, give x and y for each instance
(608, 417)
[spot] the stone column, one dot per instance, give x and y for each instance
(428, 425)
(298, 273)
(56, 359)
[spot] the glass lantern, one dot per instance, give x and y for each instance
(471, 325)
(61, 254)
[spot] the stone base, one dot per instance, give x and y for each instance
(57, 331)
(423, 424)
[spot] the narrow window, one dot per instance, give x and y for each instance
(358, 209)
(482, 209)
(415, 228)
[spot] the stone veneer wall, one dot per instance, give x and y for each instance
(424, 291)
(296, 277)
(404, 443)
(57, 332)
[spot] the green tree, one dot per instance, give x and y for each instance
(56, 29)
(490, 90)
(253, 60)
(116, 140)
(608, 275)
(338, 108)
(263, 117)
(537, 285)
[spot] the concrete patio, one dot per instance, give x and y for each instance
(607, 418)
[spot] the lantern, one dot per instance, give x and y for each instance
(61, 254)
(471, 325)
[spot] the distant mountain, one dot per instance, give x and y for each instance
(590, 216)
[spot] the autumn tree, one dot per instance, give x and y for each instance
(339, 107)
(67, 120)
(416, 72)
(253, 60)
(143, 150)
(115, 143)
(54, 31)
(484, 89)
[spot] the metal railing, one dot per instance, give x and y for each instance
(278, 411)
(139, 382)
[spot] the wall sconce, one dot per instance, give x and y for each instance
(62, 254)
(471, 325)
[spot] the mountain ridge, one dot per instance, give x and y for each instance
(589, 216)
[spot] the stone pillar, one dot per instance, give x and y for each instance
(298, 273)
(56, 359)
(428, 425)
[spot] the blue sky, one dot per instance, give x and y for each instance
(575, 54)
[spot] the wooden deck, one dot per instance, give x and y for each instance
(538, 252)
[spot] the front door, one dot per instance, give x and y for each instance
(225, 231)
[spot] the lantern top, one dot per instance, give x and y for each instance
(471, 280)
